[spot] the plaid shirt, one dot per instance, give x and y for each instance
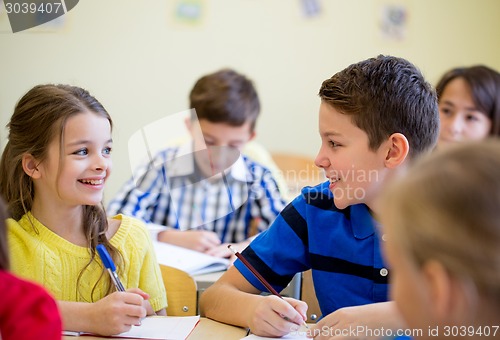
(169, 191)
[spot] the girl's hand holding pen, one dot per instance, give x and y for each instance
(145, 303)
(117, 312)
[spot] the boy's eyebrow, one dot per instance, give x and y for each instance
(205, 135)
(332, 133)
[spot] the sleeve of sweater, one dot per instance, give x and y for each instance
(27, 311)
(145, 266)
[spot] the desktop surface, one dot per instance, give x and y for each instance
(205, 329)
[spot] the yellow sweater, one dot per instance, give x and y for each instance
(40, 255)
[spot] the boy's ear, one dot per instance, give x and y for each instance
(439, 283)
(30, 166)
(398, 149)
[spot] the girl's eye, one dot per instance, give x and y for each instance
(107, 151)
(81, 152)
(445, 111)
(472, 118)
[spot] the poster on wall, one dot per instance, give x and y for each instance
(187, 13)
(393, 22)
(310, 8)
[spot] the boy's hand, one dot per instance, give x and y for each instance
(199, 240)
(117, 312)
(351, 321)
(220, 251)
(223, 251)
(276, 317)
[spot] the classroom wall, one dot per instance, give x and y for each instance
(141, 60)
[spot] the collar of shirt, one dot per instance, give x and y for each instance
(362, 221)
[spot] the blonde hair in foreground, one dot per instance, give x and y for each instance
(447, 209)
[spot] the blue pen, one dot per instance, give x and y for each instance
(110, 266)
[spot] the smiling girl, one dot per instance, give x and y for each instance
(52, 175)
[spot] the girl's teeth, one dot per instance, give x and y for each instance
(93, 181)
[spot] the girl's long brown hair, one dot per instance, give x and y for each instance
(4, 251)
(39, 116)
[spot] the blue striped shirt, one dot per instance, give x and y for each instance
(170, 191)
(340, 246)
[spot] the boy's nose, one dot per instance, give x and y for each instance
(321, 162)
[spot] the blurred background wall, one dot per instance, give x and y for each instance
(141, 58)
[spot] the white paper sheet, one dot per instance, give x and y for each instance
(294, 336)
(157, 327)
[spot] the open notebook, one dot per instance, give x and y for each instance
(299, 334)
(190, 261)
(157, 327)
(294, 336)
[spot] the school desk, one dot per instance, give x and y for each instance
(206, 329)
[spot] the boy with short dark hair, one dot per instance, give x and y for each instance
(203, 194)
(375, 116)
